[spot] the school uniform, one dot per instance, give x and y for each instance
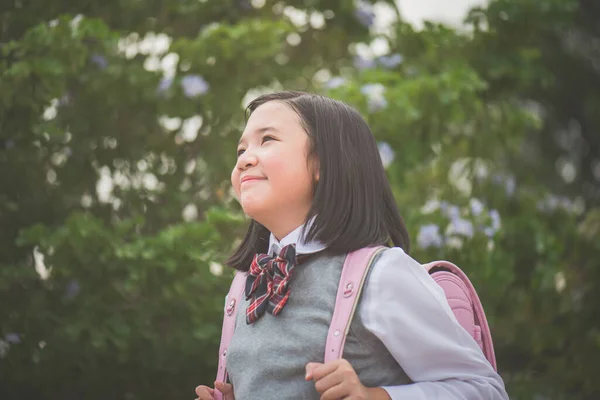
(403, 337)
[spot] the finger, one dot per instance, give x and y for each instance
(204, 390)
(325, 369)
(336, 392)
(205, 396)
(225, 388)
(329, 381)
(309, 369)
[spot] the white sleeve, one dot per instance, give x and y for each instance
(404, 307)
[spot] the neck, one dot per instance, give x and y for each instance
(280, 234)
(281, 230)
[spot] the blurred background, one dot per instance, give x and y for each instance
(118, 129)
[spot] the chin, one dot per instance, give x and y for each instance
(254, 209)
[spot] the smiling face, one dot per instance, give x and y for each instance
(272, 178)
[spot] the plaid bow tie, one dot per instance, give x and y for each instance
(268, 283)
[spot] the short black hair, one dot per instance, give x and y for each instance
(353, 205)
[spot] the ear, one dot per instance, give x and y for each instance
(316, 168)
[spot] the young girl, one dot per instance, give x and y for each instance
(310, 177)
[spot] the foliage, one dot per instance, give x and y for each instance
(118, 124)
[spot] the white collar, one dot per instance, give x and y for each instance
(296, 237)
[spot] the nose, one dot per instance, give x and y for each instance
(246, 160)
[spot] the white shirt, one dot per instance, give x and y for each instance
(404, 307)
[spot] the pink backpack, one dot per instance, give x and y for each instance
(460, 293)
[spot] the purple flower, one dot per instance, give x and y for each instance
(372, 89)
(335, 82)
(73, 289)
(552, 203)
(429, 236)
(386, 153)
(99, 60)
(490, 231)
(508, 181)
(476, 207)
(374, 94)
(364, 14)
(13, 338)
(450, 210)
(164, 85)
(245, 4)
(361, 63)
(391, 61)
(510, 185)
(462, 227)
(377, 103)
(194, 85)
(65, 100)
(495, 216)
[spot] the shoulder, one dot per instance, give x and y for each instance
(396, 274)
(396, 264)
(395, 256)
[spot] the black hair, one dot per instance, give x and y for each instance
(353, 205)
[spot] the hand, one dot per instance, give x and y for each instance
(336, 380)
(207, 393)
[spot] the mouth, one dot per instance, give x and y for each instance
(251, 179)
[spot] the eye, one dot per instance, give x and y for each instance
(240, 152)
(267, 138)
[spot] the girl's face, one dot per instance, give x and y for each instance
(272, 178)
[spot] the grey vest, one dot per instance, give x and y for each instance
(266, 360)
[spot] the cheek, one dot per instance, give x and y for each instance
(235, 182)
(291, 176)
(275, 161)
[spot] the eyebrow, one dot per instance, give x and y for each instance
(259, 131)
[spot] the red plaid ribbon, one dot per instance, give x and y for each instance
(268, 283)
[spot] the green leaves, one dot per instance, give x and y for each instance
(118, 127)
(111, 290)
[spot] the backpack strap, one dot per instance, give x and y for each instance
(458, 288)
(447, 275)
(354, 273)
(234, 298)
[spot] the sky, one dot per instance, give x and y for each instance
(451, 12)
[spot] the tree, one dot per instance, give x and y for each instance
(118, 124)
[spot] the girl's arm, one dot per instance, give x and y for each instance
(404, 307)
